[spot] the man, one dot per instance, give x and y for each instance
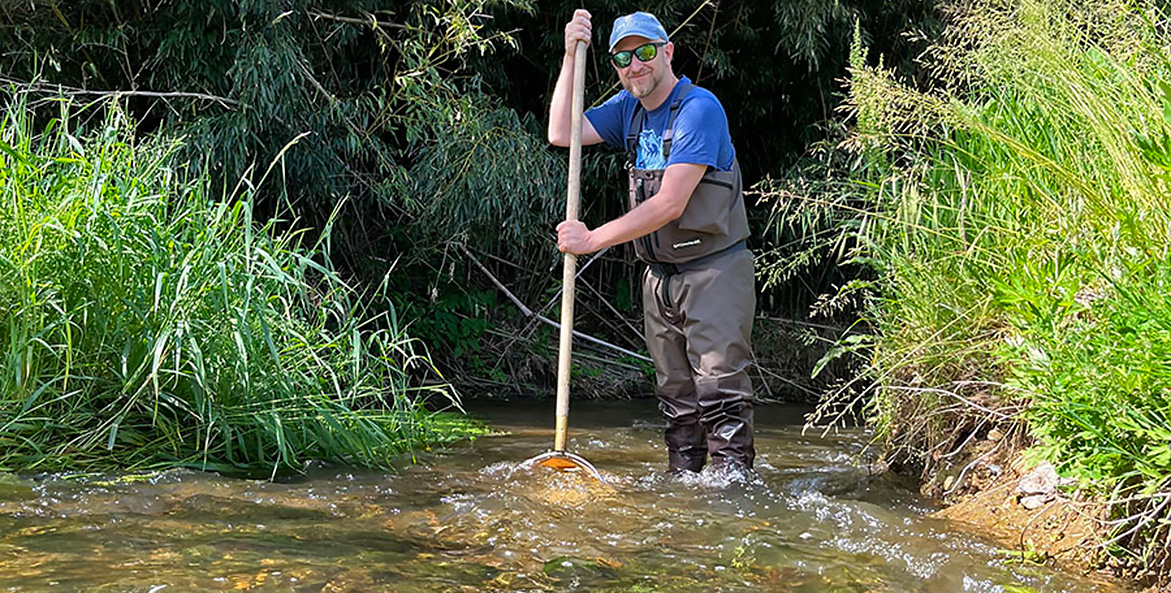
(688, 223)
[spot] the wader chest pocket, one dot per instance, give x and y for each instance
(643, 184)
(709, 206)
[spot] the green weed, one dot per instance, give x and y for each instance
(145, 323)
(1019, 225)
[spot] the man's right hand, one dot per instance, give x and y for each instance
(577, 29)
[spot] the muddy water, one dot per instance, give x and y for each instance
(470, 519)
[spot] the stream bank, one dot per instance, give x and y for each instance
(1028, 509)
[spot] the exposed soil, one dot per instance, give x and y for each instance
(1058, 527)
(999, 494)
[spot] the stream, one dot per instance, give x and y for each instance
(472, 518)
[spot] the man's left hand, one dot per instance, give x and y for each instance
(573, 237)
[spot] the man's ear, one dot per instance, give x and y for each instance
(669, 49)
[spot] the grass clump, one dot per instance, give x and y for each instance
(1019, 227)
(144, 323)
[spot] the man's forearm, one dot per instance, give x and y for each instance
(679, 181)
(561, 107)
(644, 219)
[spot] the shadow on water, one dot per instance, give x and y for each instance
(812, 519)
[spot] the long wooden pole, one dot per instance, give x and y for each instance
(568, 277)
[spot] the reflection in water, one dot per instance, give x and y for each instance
(811, 520)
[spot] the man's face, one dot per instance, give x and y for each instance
(642, 78)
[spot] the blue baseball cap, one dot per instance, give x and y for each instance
(643, 24)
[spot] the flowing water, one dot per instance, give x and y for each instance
(471, 518)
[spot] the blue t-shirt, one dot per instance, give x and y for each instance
(701, 129)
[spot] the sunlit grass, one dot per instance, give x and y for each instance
(146, 322)
(1021, 231)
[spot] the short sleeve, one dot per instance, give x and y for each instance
(701, 131)
(610, 118)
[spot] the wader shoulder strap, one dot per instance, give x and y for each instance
(638, 122)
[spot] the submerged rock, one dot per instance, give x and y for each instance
(578, 569)
(13, 486)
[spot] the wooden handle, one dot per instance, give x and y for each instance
(569, 272)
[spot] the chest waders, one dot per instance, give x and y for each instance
(698, 305)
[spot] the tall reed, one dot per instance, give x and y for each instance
(145, 322)
(1020, 228)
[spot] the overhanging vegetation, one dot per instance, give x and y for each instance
(1017, 221)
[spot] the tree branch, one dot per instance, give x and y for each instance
(530, 313)
(371, 20)
(66, 90)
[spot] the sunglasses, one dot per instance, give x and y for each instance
(645, 53)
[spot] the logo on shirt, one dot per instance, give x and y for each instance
(650, 151)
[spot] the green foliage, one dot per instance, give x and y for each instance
(811, 226)
(424, 119)
(1101, 383)
(401, 147)
(1019, 223)
(370, 87)
(456, 321)
(473, 174)
(144, 323)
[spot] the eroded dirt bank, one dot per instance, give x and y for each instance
(1026, 507)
